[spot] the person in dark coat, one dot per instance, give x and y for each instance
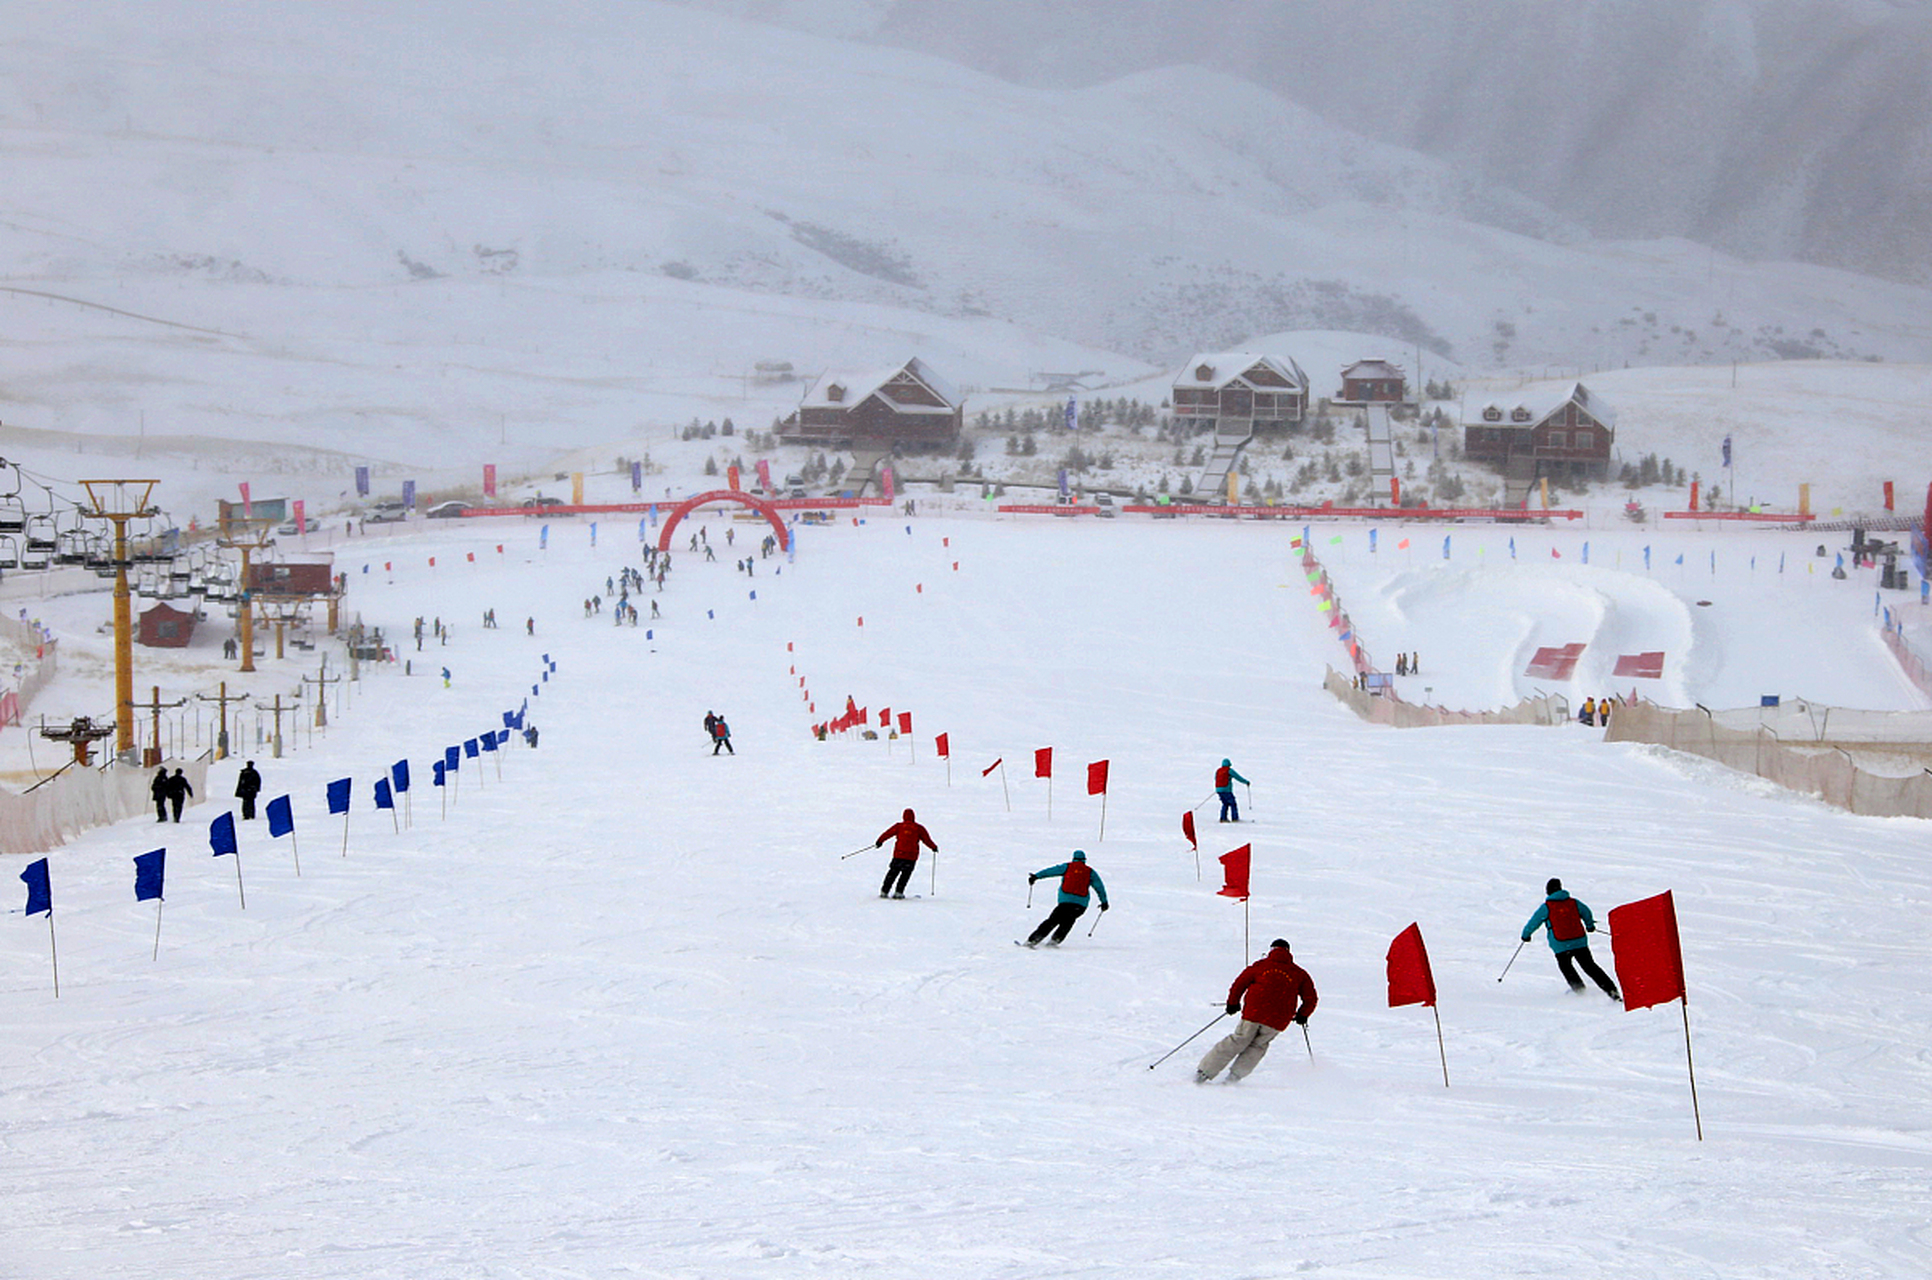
(1078, 883)
(906, 836)
(159, 790)
(1570, 924)
(248, 785)
(1269, 994)
(179, 790)
(530, 736)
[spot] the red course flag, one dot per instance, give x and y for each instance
(989, 768)
(1187, 828)
(1555, 554)
(1402, 545)
(1097, 778)
(1043, 763)
(945, 747)
(885, 717)
(905, 722)
(1649, 957)
(1410, 981)
(1234, 865)
(472, 556)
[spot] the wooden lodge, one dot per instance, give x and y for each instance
(286, 578)
(1562, 429)
(165, 627)
(1241, 388)
(1374, 382)
(907, 406)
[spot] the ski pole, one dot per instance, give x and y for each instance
(1029, 893)
(1204, 799)
(856, 852)
(1250, 790)
(1185, 1043)
(1306, 1041)
(1096, 921)
(1512, 959)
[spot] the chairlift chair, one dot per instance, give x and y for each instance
(9, 551)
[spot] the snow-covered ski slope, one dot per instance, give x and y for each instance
(626, 1012)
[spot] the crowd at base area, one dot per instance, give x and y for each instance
(1594, 711)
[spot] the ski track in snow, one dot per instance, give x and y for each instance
(625, 1012)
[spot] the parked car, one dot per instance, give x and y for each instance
(288, 527)
(1105, 501)
(447, 510)
(540, 501)
(388, 513)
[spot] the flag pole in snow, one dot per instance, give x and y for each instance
(221, 839)
(1650, 968)
(148, 871)
(40, 897)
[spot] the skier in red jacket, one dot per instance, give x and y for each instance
(1277, 991)
(906, 836)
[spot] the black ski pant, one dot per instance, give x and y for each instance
(898, 871)
(248, 807)
(724, 743)
(1059, 922)
(1568, 961)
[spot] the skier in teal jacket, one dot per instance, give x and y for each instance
(1077, 882)
(1570, 922)
(1224, 779)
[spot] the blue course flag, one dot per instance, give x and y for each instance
(399, 776)
(509, 719)
(453, 759)
(439, 768)
(710, 614)
(553, 666)
(470, 747)
(754, 595)
(503, 735)
(488, 740)
(533, 690)
(546, 659)
(281, 817)
(148, 870)
(221, 834)
(383, 799)
(339, 796)
(40, 895)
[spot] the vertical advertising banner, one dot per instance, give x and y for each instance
(248, 506)
(576, 488)
(731, 477)
(764, 475)
(409, 495)
(489, 479)
(300, 513)
(637, 476)
(362, 482)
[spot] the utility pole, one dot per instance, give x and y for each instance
(279, 711)
(155, 705)
(237, 535)
(121, 501)
(224, 698)
(322, 683)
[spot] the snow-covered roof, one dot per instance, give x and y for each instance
(1223, 367)
(1373, 368)
(1537, 404)
(854, 388)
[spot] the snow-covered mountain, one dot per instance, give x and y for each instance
(401, 235)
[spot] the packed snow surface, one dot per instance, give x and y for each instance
(625, 1010)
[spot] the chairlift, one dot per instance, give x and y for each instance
(73, 546)
(13, 514)
(33, 557)
(43, 534)
(9, 551)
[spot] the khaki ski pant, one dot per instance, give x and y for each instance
(1246, 1046)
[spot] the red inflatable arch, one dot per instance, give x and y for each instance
(724, 495)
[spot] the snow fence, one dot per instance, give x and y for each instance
(1386, 708)
(1866, 761)
(78, 798)
(39, 660)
